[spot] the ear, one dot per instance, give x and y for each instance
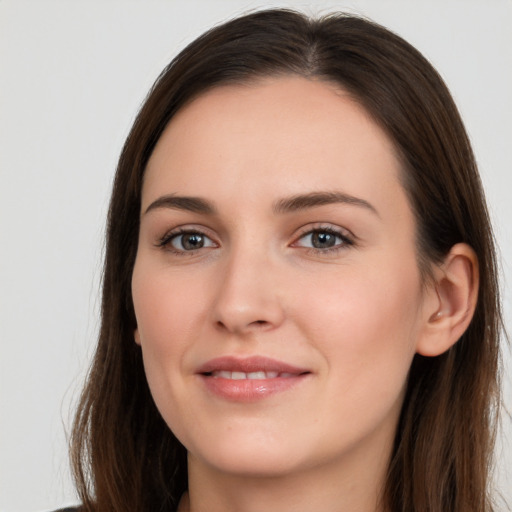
(136, 335)
(451, 301)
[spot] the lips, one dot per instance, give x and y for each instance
(249, 379)
(259, 375)
(249, 365)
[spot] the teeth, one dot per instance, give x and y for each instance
(259, 375)
(256, 375)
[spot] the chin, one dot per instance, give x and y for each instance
(250, 458)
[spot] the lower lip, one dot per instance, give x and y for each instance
(249, 390)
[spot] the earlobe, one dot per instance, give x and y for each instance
(450, 311)
(136, 336)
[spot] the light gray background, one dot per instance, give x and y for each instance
(72, 75)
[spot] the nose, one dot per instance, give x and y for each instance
(248, 297)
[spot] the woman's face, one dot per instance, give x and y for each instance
(276, 286)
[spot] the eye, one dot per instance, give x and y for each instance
(323, 239)
(186, 241)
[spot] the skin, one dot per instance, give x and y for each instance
(353, 314)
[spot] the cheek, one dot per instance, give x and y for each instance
(167, 317)
(164, 315)
(166, 309)
(366, 323)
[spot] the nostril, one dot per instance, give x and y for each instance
(259, 323)
(255, 325)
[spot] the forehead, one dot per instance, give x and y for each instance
(279, 136)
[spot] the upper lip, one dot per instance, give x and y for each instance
(249, 364)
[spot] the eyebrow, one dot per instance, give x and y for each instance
(190, 204)
(314, 199)
(285, 205)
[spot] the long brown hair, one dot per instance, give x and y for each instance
(124, 456)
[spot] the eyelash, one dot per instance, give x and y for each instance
(166, 241)
(346, 241)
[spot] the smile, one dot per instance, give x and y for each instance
(249, 379)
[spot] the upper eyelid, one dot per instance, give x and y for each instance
(189, 228)
(311, 228)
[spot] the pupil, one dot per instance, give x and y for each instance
(193, 241)
(322, 240)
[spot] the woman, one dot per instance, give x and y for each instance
(300, 307)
